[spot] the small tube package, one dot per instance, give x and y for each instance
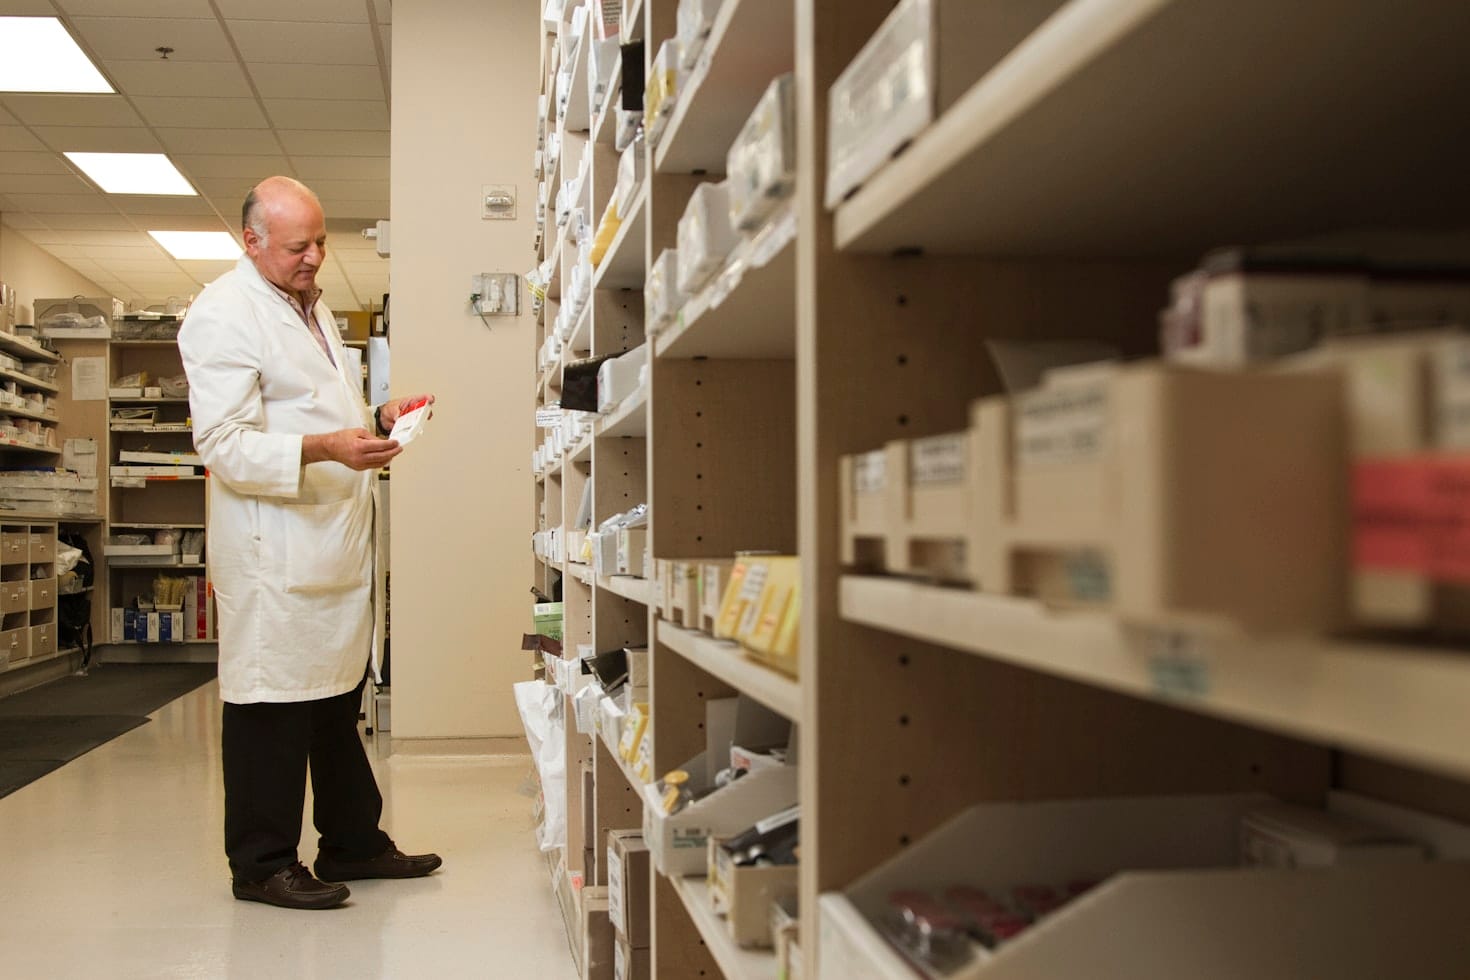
(706, 237)
(661, 90)
(761, 164)
(661, 296)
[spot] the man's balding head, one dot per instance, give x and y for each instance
(269, 195)
(285, 233)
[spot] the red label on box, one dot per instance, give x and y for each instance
(1413, 515)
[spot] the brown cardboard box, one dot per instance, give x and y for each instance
(628, 886)
(745, 896)
(598, 939)
(1170, 496)
(354, 324)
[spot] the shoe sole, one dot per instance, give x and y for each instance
(366, 877)
(314, 905)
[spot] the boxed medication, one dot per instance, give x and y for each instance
(924, 57)
(706, 237)
(618, 378)
(628, 886)
(1165, 494)
(598, 939)
(632, 551)
(660, 91)
(662, 297)
(692, 26)
(1283, 835)
(760, 166)
(630, 178)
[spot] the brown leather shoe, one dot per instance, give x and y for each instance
(292, 887)
(392, 863)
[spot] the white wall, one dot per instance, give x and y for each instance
(464, 105)
(34, 273)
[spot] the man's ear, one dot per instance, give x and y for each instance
(252, 241)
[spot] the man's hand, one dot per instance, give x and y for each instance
(394, 407)
(356, 449)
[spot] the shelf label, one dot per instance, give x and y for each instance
(938, 459)
(548, 418)
(1066, 424)
(1177, 665)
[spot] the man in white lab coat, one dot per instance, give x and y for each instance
(293, 452)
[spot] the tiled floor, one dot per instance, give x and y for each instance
(112, 867)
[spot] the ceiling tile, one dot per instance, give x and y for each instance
(327, 114)
(315, 143)
(125, 268)
(147, 204)
(276, 42)
(72, 110)
(27, 8)
(21, 221)
(31, 162)
(208, 271)
(225, 165)
(232, 189)
(351, 190)
(134, 38)
(13, 183)
(101, 253)
(367, 212)
(351, 82)
(19, 138)
(84, 266)
(61, 203)
(190, 113)
(218, 141)
(112, 221)
(341, 168)
(87, 238)
(179, 222)
(132, 8)
(99, 139)
(200, 79)
(333, 11)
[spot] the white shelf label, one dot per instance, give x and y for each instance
(938, 459)
(1065, 425)
(870, 473)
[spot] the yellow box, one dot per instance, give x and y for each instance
(633, 729)
(773, 615)
(732, 606)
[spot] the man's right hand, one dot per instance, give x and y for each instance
(356, 449)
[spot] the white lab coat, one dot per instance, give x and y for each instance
(290, 547)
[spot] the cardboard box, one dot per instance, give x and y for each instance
(638, 675)
(920, 61)
(745, 895)
(548, 619)
(683, 594)
(768, 629)
(632, 544)
(354, 324)
(1281, 835)
(713, 577)
(632, 963)
(598, 938)
(80, 456)
(706, 237)
(1167, 495)
(628, 882)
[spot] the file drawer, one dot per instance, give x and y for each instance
(16, 642)
(15, 596)
(43, 593)
(43, 639)
(15, 546)
(43, 546)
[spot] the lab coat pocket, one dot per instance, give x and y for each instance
(328, 546)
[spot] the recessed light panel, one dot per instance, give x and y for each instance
(38, 55)
(198, 244)
(133, 173)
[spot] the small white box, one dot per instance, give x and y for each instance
(632, 545)
(630, 178)
(706, 237)
(1280, 835)
(761, 163)
(80, 456)
(662, 298)
(618, 378)
(694, 20)
(117, 624)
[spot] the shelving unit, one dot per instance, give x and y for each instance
(1056, 197)
(160, 502)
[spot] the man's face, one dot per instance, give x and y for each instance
(295, 246)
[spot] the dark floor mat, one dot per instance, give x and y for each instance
(110, 689)
(31, 746)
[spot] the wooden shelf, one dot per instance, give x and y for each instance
(582, 573)
(26, 380)
(623, 767)
(622, 267)
(635, 589)
(1398, 702)
(749, 309)
(156, 479)
(26, 413)
(605, 127)
(736, 963)
(577, 118)
(629, 421)
(157, 527)
(581, 339)
(149, 401)
(581, 452)
(1131, 127)
(115, 566)
(727, 661)
(16, 445)
(750, 43)
(152, 429)
(16, 347)
(33, 661)
(127, 344)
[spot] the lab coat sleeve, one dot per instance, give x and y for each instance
(223, 362)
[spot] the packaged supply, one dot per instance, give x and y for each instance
(706, 237)
(693, 23)
(661, 90)
(760, 167)
(601, 70)
(607, 230)
(1282, 835)
(630, 177)
(920, 61)
(662, 297)
(617, 378)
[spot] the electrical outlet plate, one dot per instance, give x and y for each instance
(499, 294)
(497, 202)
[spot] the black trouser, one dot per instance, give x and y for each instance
(266, 748)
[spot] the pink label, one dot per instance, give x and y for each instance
(1413, 515)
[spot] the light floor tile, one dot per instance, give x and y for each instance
(113, 868)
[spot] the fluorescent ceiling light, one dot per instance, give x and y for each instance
(133, 173)
(38, 55)
(198, 244)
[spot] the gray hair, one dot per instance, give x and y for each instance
(252, 216)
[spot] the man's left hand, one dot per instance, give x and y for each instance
(394, 407)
